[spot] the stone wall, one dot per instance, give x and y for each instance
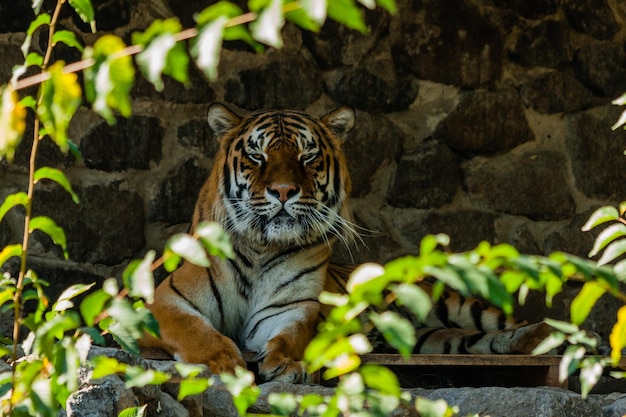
(484, 119)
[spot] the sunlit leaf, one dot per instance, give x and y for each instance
(9, 252)
(170, 260)
(617, 338)
(64, 301)
(569, 362)
(563, 326)
(620, 122)
(162, 54)
(134, 411)
(67, 37)
(591, 371)
(138, 278)
(18, 199)
(109, 81)
(215, 240)
(93, 305)
(137, 376)
(415, 299)
(283, 403)
(206, 46)
(347, 13)
(613, 251)
(12, 123)
(241, 386)
(189, 248)
(585, 300)
(85, 11)
(57, 176)
(40, 20)
(601, 215)
(302, 19)
(398, 332)
(607, 236)
(381, 379)
(554, 341)
(316, 9)
(194, 386)
(60, 97)
(54, 231)
(437, 408)
(389, 5)
(268, 25)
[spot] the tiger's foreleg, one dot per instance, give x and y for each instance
(289, 335)
(188, 335)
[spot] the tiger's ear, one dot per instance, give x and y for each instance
(221, 120)
(340, 121)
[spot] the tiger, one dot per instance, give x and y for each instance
(279, 187)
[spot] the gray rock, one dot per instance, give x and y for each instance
(602, 68)
(546, 45)
(593, 17)
(531, 184)
(106, 398)
(555, 92)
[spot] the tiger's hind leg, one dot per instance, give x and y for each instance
(520, 340)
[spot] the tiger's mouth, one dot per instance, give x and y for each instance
(282, 226)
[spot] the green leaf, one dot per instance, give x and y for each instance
(18, 199)
(216, 11)
(315, 9)
(591, 371)
(569, 362)
(67, 37)
(162, 54)
(189, 248)
(381, 379)
(585, 300)
(617, 338)
(60, 97)
(613, 251)
(85, 11)
(389, 5)
(195, 386)
(170, 260)
(138, 278)
(188, 370)
(607, 236)
(57, 176)
(241, 387)
(563, 326)
(40, 20)
(64, 301)
(554, 341)
(109, 81)
(347, 13)
(104, 366)
(437, 408)
(302, 19)
(397, 331)
(206, 46)
(137, 376)
(49, 227)
(414, 298)
(215, 240)
(134, 411)
(267, 27)
(93, 305)
(601, 215)
(12, 123)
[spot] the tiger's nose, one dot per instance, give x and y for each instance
(283, 191)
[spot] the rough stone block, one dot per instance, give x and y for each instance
(545, 45)
(593, 17)
(130, 143)
(428, 179)
(602, 68)
(555, 92)
(485, 122)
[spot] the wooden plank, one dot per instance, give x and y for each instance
(462, 360)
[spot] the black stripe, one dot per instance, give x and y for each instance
(442, 313)
(469, 341)
(258, 323)
(420, 342)
(301, 274)
(477, 314)
(180, 294)
(247, 263)
(243, 282)
(501, 322)
(218, 298)
(447, 347)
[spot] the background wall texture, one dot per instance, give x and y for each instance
(484, 119)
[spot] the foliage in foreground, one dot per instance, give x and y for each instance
(62, 332)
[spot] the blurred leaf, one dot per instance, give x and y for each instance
(437, 408)
(188, 370)
(18, 199)
(269, 23)
(136, 376)
(601, 215)
(380, 379)
(590, 372)
(302, 19)
(134, 411)
(103, 366)
(398, 332)
(613, 251)
(170, 260)
(12, 123)
(215, 240)
(9, 252)
(315, 9)
(93, 305)
(617, 338)
(138, 278)
(585, 300)
(49, 227)
(620, 270)
(109, 81)
(162, 54)
(189, 248)
(206, 46)
(57, 176)
(85, 11)
(64, 301)
(569, 362)
(389, 5)
(242, 388)
(194, 386)
(554, 341)
(60, 97)
(415, 299)
(67, 37)
(348, 14)
(283, 403)
(620, 122)
(563, 326)
(607, 236)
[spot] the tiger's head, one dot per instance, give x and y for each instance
(280, 176)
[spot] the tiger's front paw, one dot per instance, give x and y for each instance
(280, 368)
(222, 356)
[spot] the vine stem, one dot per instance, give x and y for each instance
(19, 286)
